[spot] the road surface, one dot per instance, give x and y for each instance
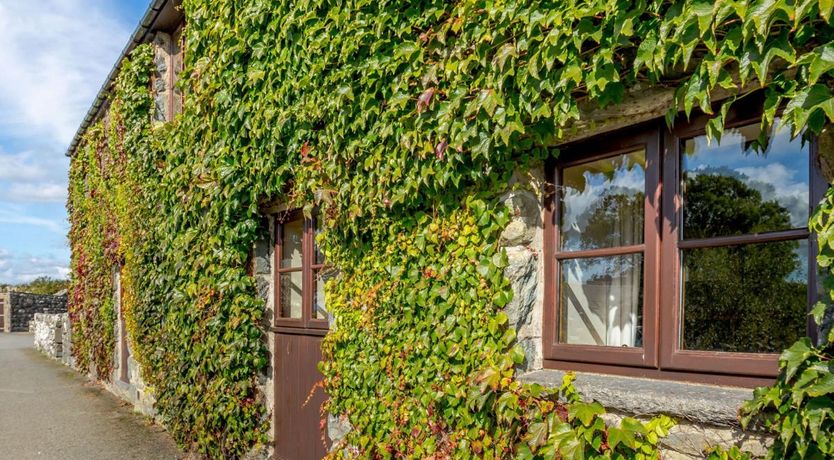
(48, 411)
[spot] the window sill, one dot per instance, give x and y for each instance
(697, 403)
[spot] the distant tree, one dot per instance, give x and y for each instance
(43, 285)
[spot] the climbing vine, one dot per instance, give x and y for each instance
(403, 123)
(104, 200)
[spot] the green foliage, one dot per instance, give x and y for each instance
(104, 188)
(733, 453)
(200, 359)
(799, 408)
(43, 285)
(402, 122)
(574, 429)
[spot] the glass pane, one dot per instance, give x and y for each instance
(601, 301)
(319, 255)
(319, 307)
(603, 203)
(732, 189)
(748, 298)
(291, 241)
(291, 299)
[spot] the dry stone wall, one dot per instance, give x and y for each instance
(53, 338)
(23, 306)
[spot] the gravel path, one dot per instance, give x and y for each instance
(48, 411)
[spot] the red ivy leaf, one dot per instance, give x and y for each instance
(305, 153)
(424, 101)
(440, 149)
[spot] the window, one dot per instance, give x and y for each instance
(689, 261)
(168, 97)
(300, 269)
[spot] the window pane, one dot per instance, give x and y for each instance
(319, 255)
(319, 307)
(291, 241)
(603, 203)
(732, 189)
(291, 300)
(747, 298)
(601, 301)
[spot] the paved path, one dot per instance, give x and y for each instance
(48, 411)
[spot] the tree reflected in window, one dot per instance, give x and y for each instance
(740, 298)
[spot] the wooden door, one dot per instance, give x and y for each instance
(301, 322)
(298, 420)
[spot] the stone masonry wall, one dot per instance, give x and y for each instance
(523, 241)
(7, 311)
(161, 77)
(23, 307)
(262, 255)
(50, 336)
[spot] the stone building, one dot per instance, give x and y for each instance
(638, 288)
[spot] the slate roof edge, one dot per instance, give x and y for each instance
(140, 35)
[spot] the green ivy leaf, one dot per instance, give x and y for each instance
(794, 356)
(585, 412)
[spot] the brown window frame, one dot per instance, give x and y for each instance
(308, 268)
(660, 355)
(632, 356)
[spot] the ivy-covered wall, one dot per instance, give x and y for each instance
(403, 122)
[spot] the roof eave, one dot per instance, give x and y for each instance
(142, 34)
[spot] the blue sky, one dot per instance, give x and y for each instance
(55, 55)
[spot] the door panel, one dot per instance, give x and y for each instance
(298, 433)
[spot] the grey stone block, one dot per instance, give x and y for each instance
(702, 404)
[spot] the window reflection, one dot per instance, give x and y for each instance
(603, 203)
(291, 294)
(730, 188)
(320, 278)
(748, 298)
(291, 243)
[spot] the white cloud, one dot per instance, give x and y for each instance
(55, 55)
(776, 182)
(773, 173)
(21, 167)
(36, 193)
(22, 268)
(16, 216)
(31, 178)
